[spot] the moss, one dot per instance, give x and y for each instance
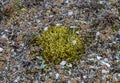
(59, 43)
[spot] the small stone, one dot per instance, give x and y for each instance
(46, 28)
(38, 21)
(58, 24)
(36, 16)
(84, 77)
(4, 36)
(69, 72)
(51, 16)
(114, 42)
(116, 57)
(17, 79)
(115, 79)
(77, 32)
(106, 59)
(119, 17)
(69, 65)
(98, 33)
(98, 57)
(104, 63)
(63, 63)
(73, 27)
(91, 59)
(29, 23)
(105, 71)
(74, 42)
(101, 2)
(6, 30)
(1, 49)
(67, 1)
(56, 75)
(70, 13)
(103, 78)
(42, 65)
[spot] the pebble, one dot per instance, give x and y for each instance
(6, 30)
(63, 63)
(116, 57)
(73, 27)
(91, 59)
(56, 75)
(4, 36)
(58, 24)
(69, 65)
(16, 80)
(119, 17)
(98, 57)
(69, 72)
(38, 21)
(70, 13)
(101, 2)
(98, 33)
(84, 76)
(119, 74)
(67, 1)
(105, 71)
(104, 63)
(46, 28)
(106, 59)
(77, 32)
(51, 16)
(74, 42)
(1, 49)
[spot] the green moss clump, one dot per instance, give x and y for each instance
(60, 43)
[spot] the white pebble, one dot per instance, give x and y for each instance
(104, 63)
(69, 72)
(74, 42)
(51, 16)
(98, 57)
(101, 2)
(70, 13)
(91, 59)
(72, 27)
(69, 65)
(119, 17)
(1, 49)
(67, 1)
(56, 75)
(84, 77)
(119, 32)
(77, 32)
(105, 71)
(63, 63)
(98, 33)
(46, 28)
(68, 81)
(119, 75)
(38, 21)
(6, 30)
(58, 24)
(4, 36)
(17, 79)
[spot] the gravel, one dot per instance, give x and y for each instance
(101, 60)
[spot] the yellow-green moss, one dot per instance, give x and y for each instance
(60, 43)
